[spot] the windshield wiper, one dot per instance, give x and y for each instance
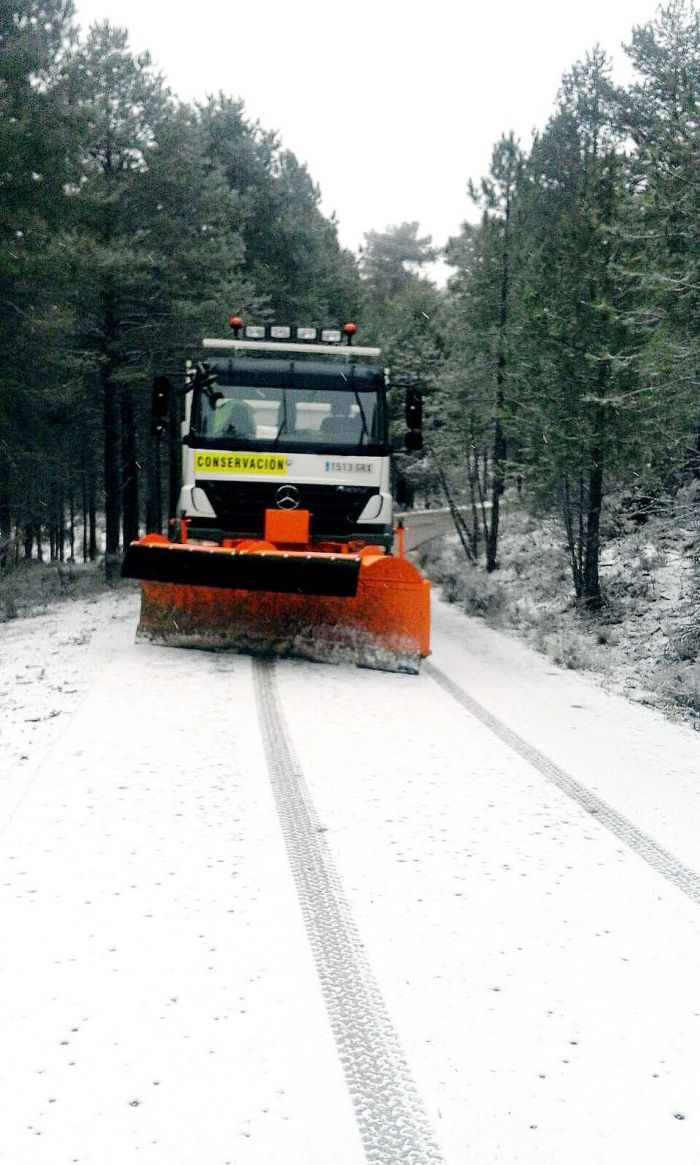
(283, 424)
(365, 430)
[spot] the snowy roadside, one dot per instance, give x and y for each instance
(643, 644)
(48, 662)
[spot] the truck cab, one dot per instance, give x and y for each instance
(287, 425)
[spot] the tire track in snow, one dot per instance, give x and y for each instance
(390, 1116)
(675, 871)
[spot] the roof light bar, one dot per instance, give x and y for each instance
(340, 351)
(281, 332)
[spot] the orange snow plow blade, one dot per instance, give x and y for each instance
(369, 608)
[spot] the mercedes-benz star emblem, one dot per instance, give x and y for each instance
(287, 497)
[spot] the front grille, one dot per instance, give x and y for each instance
(240, 506)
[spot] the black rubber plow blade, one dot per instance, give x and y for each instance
(275, 571)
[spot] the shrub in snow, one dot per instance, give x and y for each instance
(679, 683)
(649, 557)
(32, 585)
(569, 648)
(684, 641)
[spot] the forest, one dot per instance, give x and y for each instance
(560, 361)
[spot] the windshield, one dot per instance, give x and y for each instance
(287, 416)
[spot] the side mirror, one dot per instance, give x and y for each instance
(160, 404)
(414, 408)
(414, 419)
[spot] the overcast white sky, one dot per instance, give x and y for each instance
(393, 106)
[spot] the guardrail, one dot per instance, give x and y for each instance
(421, 526)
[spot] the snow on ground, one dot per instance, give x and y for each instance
(158, 993)
(645, 642)
(47, 663)
(160, 1000)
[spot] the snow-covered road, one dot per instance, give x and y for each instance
(322, 916)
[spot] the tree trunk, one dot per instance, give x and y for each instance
(460, 525)
(572, 545)
(5, 504)
(85, 515)
(111, 398)
(112, 473)
(61, 522)
(497, 486)
(92, 516)
(71, 521)
(131, 469)
(473, 481)
(500, 448)
(591, 580)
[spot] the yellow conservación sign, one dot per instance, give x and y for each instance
(225, 462)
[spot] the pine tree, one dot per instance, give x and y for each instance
(391, 260)
(403, 312)
(661, 114)
(35, 144)
(120, 103)
(482, 341)
(580, 376)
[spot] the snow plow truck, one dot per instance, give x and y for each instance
(284, 541)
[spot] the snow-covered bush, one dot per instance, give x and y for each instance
(30, 586)
(644, 642)
(678, 683)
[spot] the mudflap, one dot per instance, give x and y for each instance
(385, 625)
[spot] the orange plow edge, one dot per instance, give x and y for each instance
(370, 609)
